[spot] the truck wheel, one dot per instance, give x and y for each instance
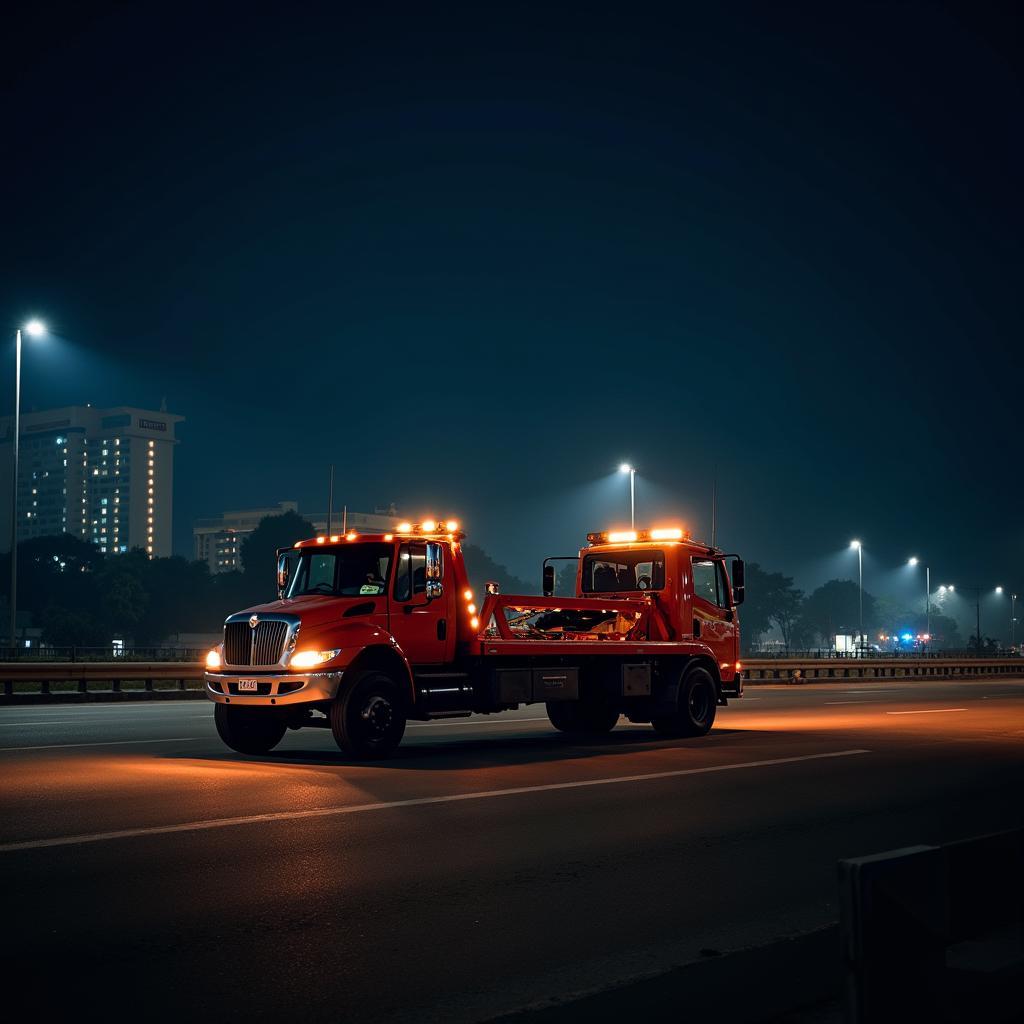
(249, 730)
(698, 701)
(581, 717)
(368, 716)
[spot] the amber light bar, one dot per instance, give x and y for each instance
(629, 536)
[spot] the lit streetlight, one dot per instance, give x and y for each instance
(631, 470)
(913, 561)
(859, 548)
(34, 329)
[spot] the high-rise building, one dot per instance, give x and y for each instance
(102, 475)
(218, 540)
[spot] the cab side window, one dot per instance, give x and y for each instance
(710, 582)
(723, 586)
(705, 580)
(411, 572)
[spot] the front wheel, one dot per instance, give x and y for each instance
(695, 709)
(249, 730)
(368, 716)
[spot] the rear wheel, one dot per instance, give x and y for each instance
(582, 717)
(368, 716)
(697, 703)
(249, 730)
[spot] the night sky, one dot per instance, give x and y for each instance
(478, 257)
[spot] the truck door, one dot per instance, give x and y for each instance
(713, 616)
(421, 627)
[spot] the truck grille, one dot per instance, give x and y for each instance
(264, 645)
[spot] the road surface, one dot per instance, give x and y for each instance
(494, 864)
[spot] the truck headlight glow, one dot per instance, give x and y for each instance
(310, 659)
(213, 660)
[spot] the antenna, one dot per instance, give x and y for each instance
(714, 507)
(330, 501)
(344, 519)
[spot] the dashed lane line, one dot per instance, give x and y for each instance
(105, 743)
(927, 711)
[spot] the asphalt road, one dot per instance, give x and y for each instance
(149, 871)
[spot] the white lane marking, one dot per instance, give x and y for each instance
(328, 812)
(106, 743)
(75, 721)
(873, 690)
(437, 725)
(852, 702)
(929, 711)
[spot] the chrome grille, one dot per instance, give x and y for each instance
(264, 645)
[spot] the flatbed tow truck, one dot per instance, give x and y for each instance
(371, 630)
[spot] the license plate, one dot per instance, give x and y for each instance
(247, 685)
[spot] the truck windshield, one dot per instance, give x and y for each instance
(351, 571)
(620, 571)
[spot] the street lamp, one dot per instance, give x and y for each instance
(913, 561)
(34, 329)
(631, 470)
(856, 544)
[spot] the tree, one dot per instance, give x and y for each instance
(835, 608)
(260, 547)
(565, 579)
(770, 599)
(480, 568)
(786, 612)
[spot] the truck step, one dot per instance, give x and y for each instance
(449, 714)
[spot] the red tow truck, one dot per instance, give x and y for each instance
(372, 630)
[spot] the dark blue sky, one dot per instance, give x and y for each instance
(476, 258)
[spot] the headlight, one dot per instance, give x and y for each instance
(310, 659)
(213, 660)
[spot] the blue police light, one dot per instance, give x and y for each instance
(907, 637)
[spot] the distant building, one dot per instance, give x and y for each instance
(102, 475)
(217, 540)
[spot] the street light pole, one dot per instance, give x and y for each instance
(860, 584)
(631, 470)
(928, 601)
(33, 329)
(14, 488)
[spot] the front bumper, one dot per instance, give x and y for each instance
(281, 689)
(734, 688)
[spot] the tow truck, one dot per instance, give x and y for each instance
(372, 630)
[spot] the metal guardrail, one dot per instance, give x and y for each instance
(102, 654)
(830, 655)
(115, 674)
(119, 675)
(808, 670)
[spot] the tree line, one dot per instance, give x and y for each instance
(78, 596)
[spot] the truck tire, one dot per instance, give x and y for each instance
(581, 718)
(368, 716)
(697, 703)
(249, 730)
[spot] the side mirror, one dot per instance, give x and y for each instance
(283, 562)
(434, 570)
(738, 585)
(548, 581)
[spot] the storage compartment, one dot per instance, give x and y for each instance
(636, 680)
(513, 685)
(556, 684)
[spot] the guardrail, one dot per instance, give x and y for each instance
(73, 678)
(83, 680)
(104, 654)
(825, 670)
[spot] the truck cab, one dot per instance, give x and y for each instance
(371, 630)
